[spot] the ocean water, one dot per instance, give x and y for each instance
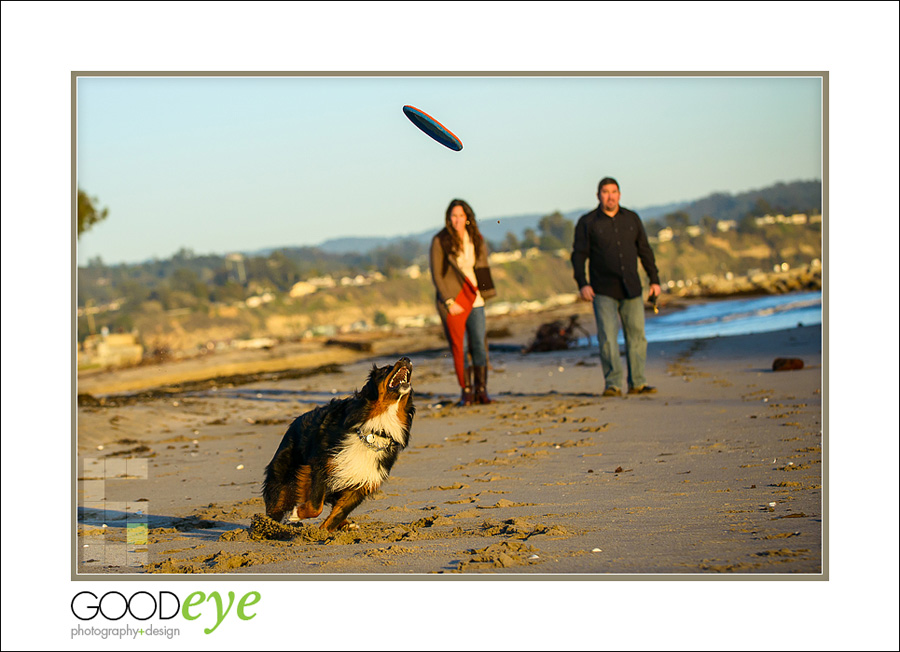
(731, 317)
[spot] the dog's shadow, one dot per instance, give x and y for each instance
(117, 521)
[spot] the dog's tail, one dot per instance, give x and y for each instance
(278, 488)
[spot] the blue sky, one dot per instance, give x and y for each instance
(218, 164)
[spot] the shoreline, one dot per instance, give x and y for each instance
(507, 332)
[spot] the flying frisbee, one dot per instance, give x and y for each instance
(433, 128)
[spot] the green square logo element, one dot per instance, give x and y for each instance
(137, 534)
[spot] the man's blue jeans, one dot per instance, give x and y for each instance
(607, 312)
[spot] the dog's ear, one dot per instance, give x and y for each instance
(370, 389)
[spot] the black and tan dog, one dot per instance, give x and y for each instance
(341, 452)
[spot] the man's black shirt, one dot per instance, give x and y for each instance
(613, 246)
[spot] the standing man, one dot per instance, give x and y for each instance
(612, 238)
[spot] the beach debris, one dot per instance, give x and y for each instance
(100, 447)
(499, 555)
(239, 467)
(262, 527)
(787, 364)
(555, 336)
(354, 345)
(596, 550)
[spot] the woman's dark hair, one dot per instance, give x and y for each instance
(471, 227)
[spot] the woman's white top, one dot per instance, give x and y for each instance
(466, 262)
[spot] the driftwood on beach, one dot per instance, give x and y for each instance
(557, 335)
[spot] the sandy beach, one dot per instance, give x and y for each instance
(719, 473)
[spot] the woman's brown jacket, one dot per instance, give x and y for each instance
(448, 277)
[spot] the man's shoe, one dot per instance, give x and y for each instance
(643, 389)
(612, 391)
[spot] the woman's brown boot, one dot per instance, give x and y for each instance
(468, 398)
(481, 386)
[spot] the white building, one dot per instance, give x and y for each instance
(302, 288)
(726, 225)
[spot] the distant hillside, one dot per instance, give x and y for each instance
(380, 280)
(191, 303)
(493, 229)
(787, 198)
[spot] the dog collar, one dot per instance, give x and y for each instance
(368, 439)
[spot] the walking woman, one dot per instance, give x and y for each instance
(462, 280)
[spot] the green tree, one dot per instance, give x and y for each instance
(556, 232)
(186, 280)
(510, 242)
(163, 294)
(678, 220)
(530, 239)
(761, 208)
(229, 291)
(88, 212)
(747, 224)
(652, 227)
(134, 291)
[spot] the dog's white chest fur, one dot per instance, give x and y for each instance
(356, 464)
(387, 422)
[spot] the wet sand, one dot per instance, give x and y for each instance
(720, 472)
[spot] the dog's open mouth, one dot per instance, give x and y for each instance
(400, 380)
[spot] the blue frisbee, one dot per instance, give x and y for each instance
(433, 128)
